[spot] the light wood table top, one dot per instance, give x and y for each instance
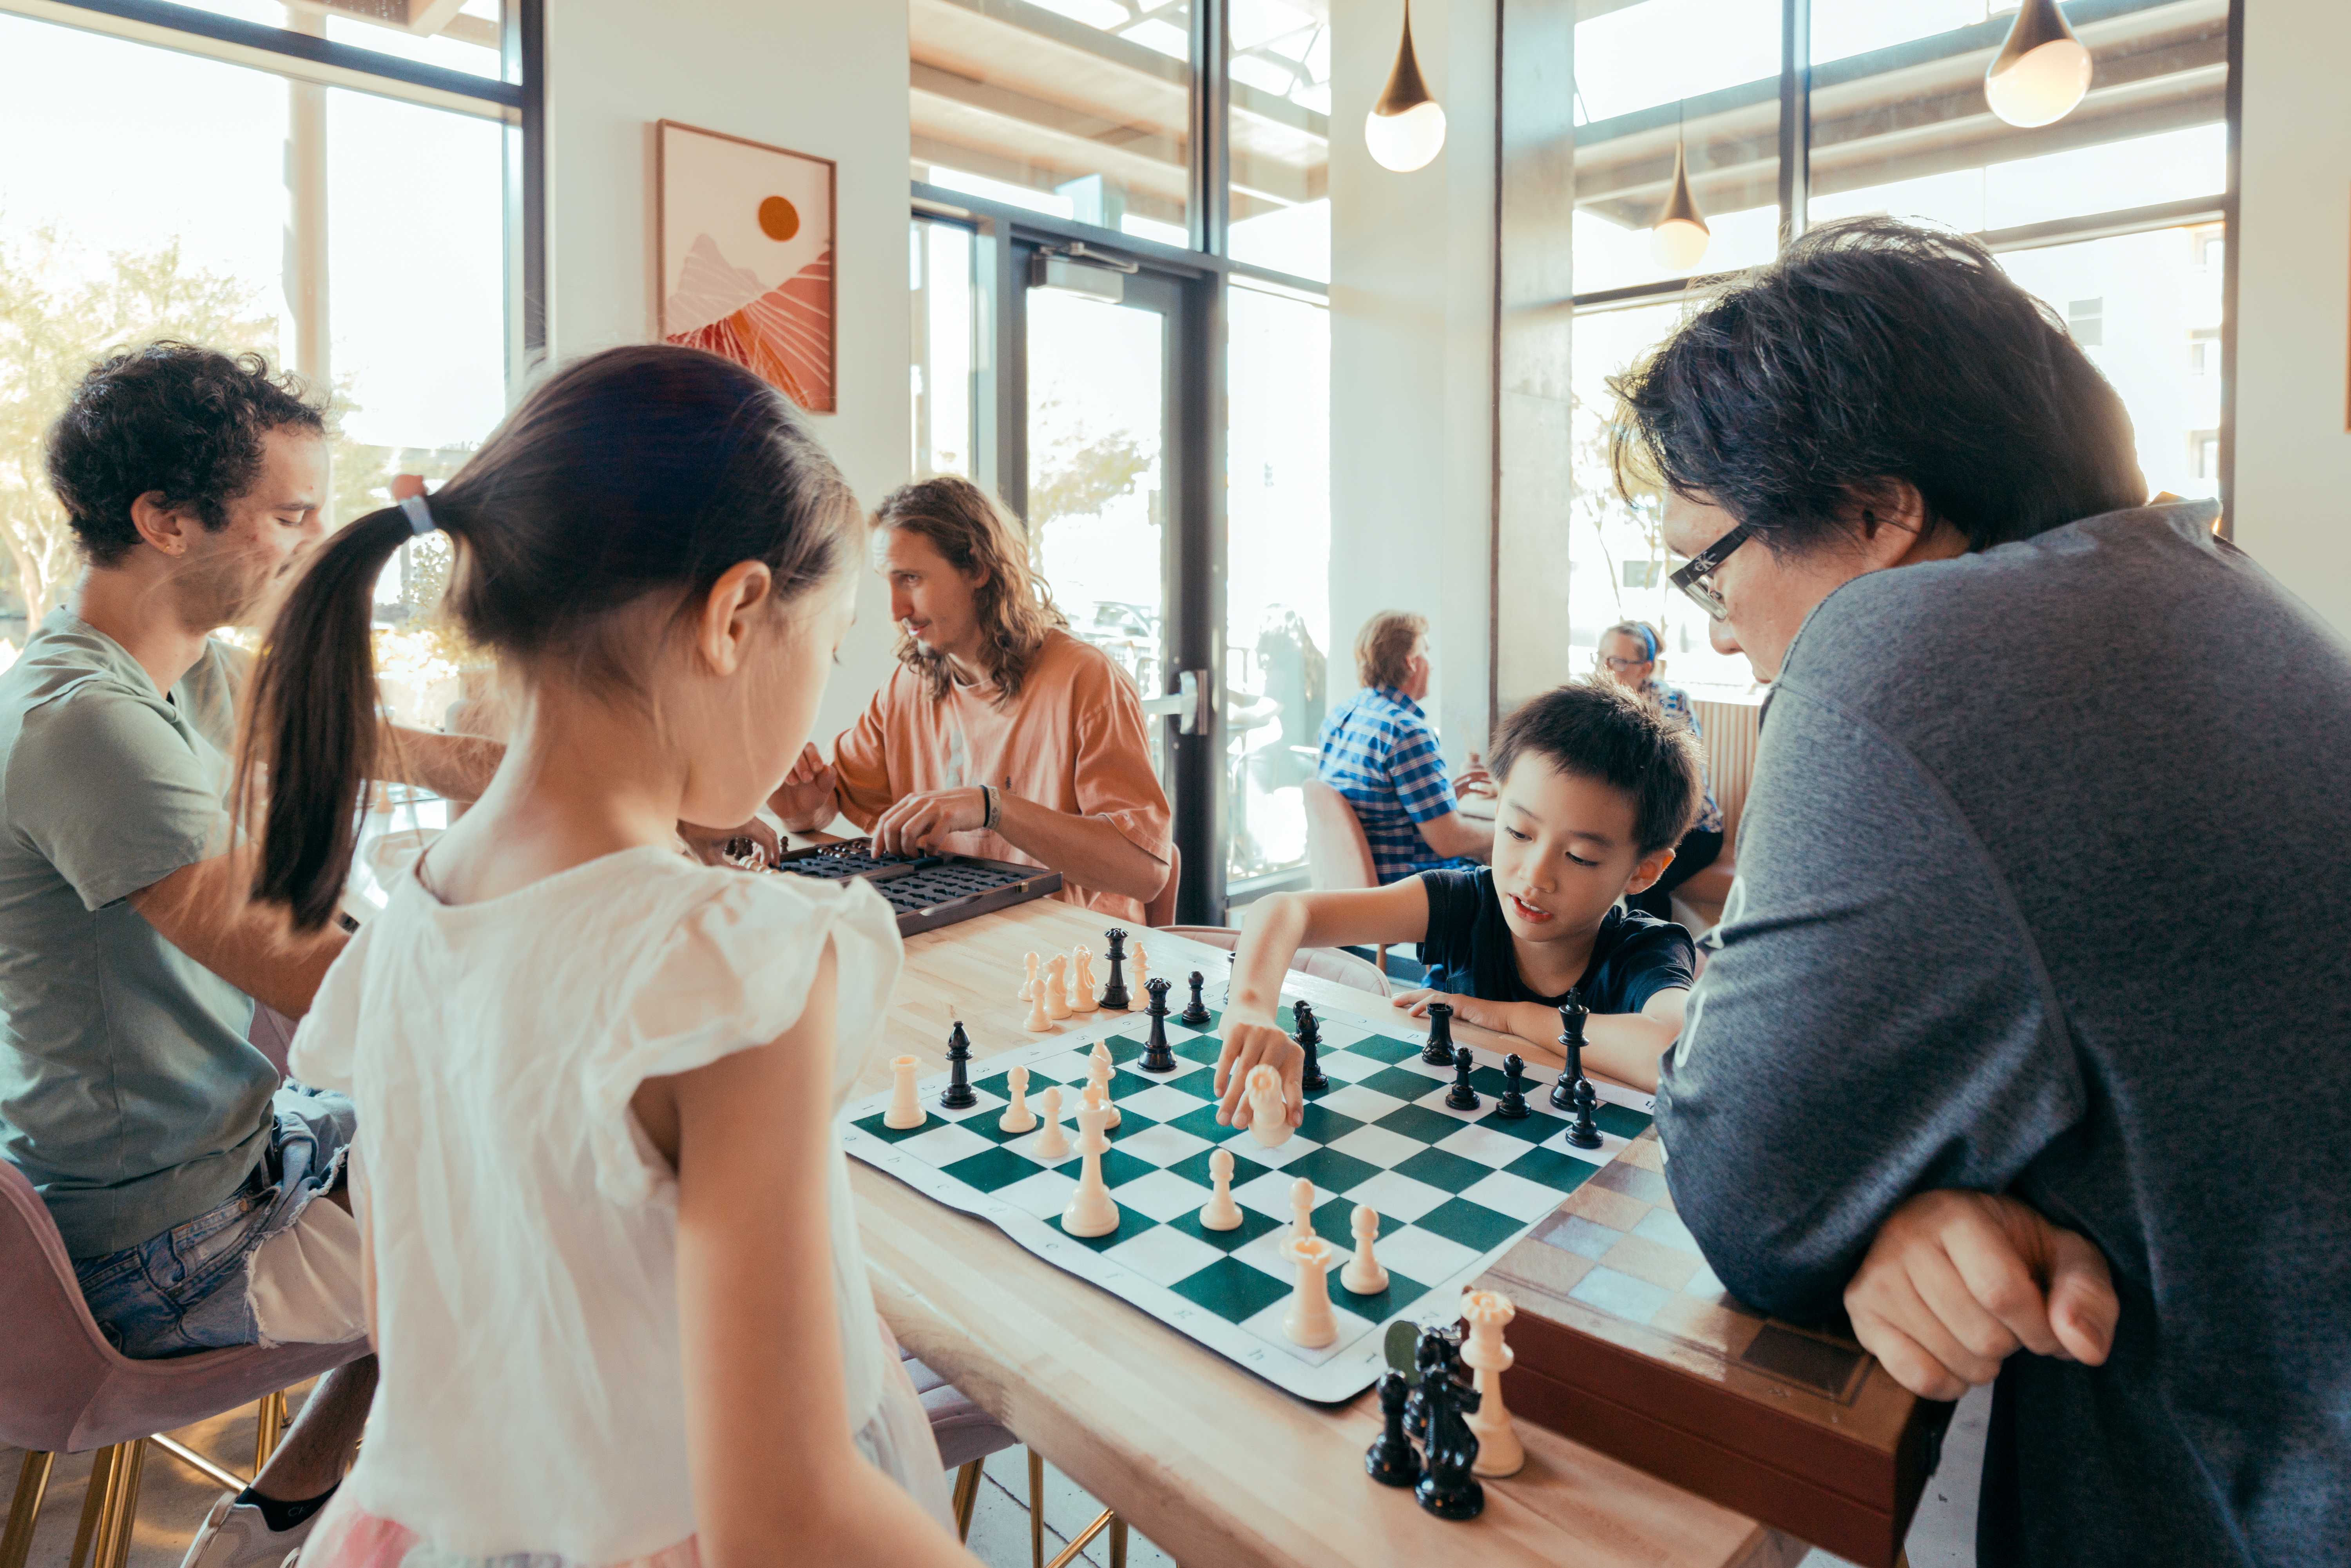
(1219, 1467)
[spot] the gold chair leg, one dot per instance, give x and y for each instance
(967, 1493)
(269, 1428)
(108, 1528)
(1117, 1543)
(1036, 1509)
(32, 1485)
(1069, 1552)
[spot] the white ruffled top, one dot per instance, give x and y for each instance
(524, 1228)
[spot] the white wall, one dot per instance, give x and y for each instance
(1412, 354)
(2294, 300)
(817, 75)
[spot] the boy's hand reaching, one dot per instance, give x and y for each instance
(1958, 1282)
(1245, 1045)
(1467, 1009)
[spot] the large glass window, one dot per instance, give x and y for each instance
(945, 338)
(1280, 68)
(1076, 107)
(2110, 216)
(265, 222)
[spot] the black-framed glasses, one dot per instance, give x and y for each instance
(1697, 578)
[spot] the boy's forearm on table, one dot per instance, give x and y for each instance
(1271, 932)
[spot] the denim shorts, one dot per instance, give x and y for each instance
(185, 1290)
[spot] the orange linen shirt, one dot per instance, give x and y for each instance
(1073, 740)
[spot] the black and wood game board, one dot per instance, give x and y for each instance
(926, 891)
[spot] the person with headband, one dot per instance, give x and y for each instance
(1628, 656)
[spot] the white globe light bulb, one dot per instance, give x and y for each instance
(2042, 86)
(1405, 141)
(1679, 244)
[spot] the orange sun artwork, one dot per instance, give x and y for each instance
(746, 257)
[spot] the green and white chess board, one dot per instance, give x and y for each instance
(1453, 1188)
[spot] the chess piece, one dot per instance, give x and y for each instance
(1364, 1275)
(1462, 1097)
(1196, 1011)
(1051, 1146)
(1039, 1022)
(1571, 1014)
(1142, 967)
(1018, 1117)
(1113, 995)
(1391, 1460)
(1436, 1354)
(1220, 1212)
(1082, 981)
(1512, 1106)
(1438, 1051)
(1585, 1132)
(1309, 1321)
(1091, 1211)
(1269, 1114)
(1487, 1312)
(1098, 1084)
(1157, 1055)
(1302, 1216)
(1028, 977)
(1449, 1489)
(958, 1095)
(1057, 983)
(906, 1112)
(1310, 1040)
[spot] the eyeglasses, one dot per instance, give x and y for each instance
(1697, 578)
(1621, 666)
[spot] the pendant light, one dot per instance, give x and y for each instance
(1680, 237)
(2042, 70)
(1406, 128)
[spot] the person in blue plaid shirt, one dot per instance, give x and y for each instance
(1379, 751)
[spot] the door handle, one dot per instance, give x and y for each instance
(1183, 704)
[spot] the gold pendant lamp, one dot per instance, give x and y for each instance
(1680, 237)
(2042, 70)
(1405, 129)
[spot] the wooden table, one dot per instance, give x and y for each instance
(1216, 1465)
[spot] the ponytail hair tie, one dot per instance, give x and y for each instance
(420, 515)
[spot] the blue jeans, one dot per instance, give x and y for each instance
(185, 1291)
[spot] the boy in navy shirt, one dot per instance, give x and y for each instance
(1596, 790)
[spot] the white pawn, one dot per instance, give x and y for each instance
(1039, 1022)
(1018, 1117)
(905, 1111)
(1057, 980)
(1141, 986)
(1053, 1145)
(1269, 1116)
(1220, 1212)
(1309, 1321)
(1091, 1210)
(1500, 1452)
(1302, 1216)
(1365, 1274)
(1082, 982)
(1098, 1085)
(1028, 977)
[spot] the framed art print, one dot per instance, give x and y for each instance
(746, 262)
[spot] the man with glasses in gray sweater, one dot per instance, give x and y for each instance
(2010, 1043)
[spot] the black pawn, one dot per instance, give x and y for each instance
(1438, 1051)
(1512, 1106)
(1571, 1014)
(1391, 1460)
(958, 1094)
(1310, 1040)
(1115, 995)
(1436, 1357)
(1583, 1133)
(1463, 1097)
(1195, 1012)
(1156, 1055)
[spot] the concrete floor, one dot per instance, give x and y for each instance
(173, 1500)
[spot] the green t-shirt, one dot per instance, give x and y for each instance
(130, 1096)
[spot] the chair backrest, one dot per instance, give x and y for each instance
(64, 1389)
(1337, 854)
(1160, 908)
(1732, 731)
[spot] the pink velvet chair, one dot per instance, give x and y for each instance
(64, 1389)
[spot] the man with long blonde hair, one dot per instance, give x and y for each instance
(1000, 734)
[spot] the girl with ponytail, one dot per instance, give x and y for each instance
(613, 1275)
